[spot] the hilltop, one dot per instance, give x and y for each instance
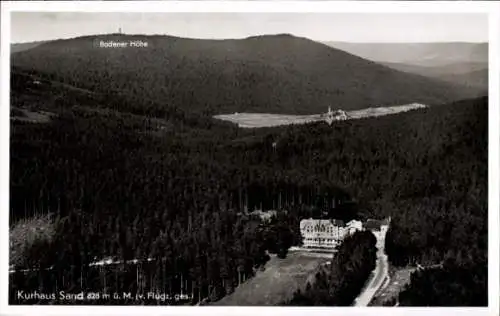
(273, 73)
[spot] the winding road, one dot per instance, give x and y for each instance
(379, 274)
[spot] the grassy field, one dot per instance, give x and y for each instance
(380, 111)
(277, 283)
(255, 120)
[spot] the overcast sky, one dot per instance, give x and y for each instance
(349, 27)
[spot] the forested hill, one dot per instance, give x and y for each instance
(19, 47)
(37, 91)
(275, 73)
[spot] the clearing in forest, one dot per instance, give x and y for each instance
(277, 283)
(256, 120)
(25, 233)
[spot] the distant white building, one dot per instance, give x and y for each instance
(266, 216)
(325, 233)
(338, 115)
(354, 226)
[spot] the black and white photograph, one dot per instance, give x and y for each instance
(248, 159)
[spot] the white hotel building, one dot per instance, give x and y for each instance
(325, 233)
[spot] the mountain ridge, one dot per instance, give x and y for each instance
(422, 54)
(466, 74)
(273, 73)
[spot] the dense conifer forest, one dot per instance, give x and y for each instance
(130, 178)
(460, 282)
